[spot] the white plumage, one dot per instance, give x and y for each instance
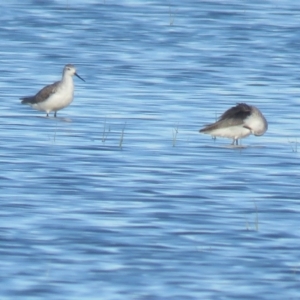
(55, 96)
(238, 122)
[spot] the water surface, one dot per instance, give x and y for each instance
(120, 196)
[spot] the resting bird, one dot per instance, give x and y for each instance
(55, 96)
(238, 122)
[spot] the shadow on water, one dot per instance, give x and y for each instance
(57, 119)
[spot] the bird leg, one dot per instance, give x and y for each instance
(235, 142)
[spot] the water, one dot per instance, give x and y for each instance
(120, 196)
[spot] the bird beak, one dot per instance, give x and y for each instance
(79, 77)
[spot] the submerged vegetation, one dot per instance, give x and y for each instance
(105, 132)
(256, 221)
(294, 145)
(175, 133)
(122, 136)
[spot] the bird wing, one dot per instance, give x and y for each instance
(239, 112)
(46, 92)
(232, 117)
(42, 95)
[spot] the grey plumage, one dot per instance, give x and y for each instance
(43, 94)
(55, 96)
(238, 122)
(231, 117)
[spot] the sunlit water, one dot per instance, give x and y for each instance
(120, 197)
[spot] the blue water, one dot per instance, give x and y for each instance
(120, 197)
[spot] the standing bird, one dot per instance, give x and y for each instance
(55, 96)
(238, 122)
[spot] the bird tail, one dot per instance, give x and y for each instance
(208, 128)
(27, 100)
